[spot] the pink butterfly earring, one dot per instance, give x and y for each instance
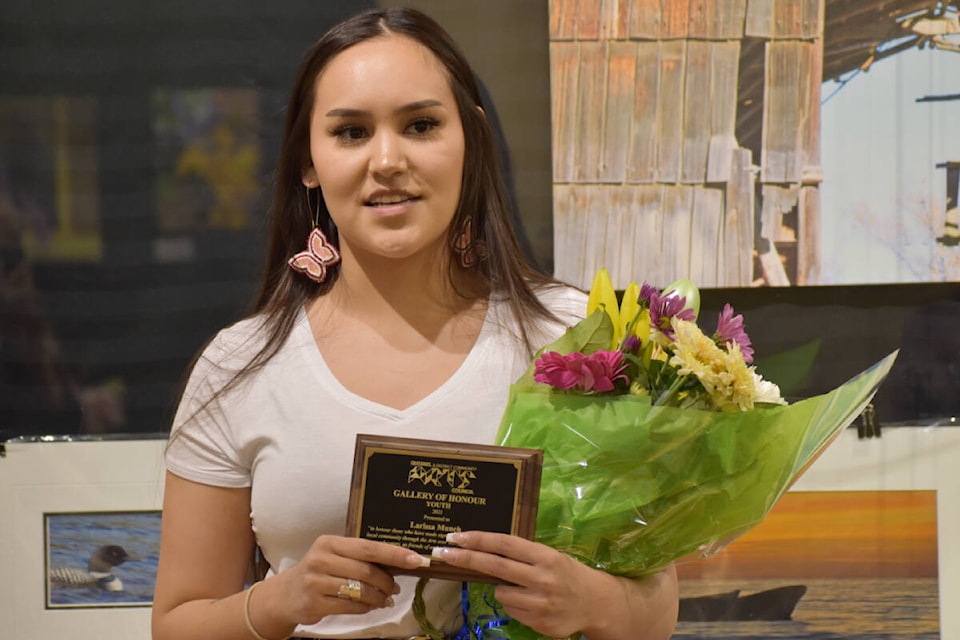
(320, 254)
(470, 251)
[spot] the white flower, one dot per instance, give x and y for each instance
(766, 391)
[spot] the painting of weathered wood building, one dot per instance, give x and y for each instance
(686, 133)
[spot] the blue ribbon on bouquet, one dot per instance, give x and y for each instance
(485, 627)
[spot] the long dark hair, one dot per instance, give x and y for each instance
(484, 197)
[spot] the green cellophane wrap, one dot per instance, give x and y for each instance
(628, 487)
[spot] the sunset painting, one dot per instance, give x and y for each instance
(830, 564)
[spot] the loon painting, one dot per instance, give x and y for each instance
(99, 572)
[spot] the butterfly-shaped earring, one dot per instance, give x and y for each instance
(470, 252)
(319, 256)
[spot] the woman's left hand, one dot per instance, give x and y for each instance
(549, 591)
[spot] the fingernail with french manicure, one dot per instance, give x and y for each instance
(454, 537)
(439, 552)
(416, 560)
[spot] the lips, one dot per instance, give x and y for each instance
(388, 199)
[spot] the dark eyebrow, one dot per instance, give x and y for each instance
(413, 106)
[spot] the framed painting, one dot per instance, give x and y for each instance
(861, 547)
(50, 176)
(79, 537)
(101, 559)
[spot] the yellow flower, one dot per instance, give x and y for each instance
(726, 377)
(642, 328)
(603, 296)
(658, 353)
(629, 308)
(638, 389)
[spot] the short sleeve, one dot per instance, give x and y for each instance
(203, 446)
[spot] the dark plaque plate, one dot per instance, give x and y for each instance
(413, 492)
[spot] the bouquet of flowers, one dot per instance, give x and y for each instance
(659, 441)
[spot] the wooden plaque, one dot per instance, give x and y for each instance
(412, 492)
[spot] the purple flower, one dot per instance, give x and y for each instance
(730, 329)
(663, 309)
(595, 373)
(647, 291)
(631, 344)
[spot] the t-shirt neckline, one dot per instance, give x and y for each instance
(318, 366)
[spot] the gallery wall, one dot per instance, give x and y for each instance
(137, 146)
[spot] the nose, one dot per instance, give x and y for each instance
(388, 155)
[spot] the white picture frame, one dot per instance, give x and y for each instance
(84, 477)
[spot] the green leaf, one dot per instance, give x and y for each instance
(590, 334)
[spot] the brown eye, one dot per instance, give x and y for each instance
(349, 133)
(423, 126)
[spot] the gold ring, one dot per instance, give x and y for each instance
(351, 590)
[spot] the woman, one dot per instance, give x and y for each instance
(410, 315)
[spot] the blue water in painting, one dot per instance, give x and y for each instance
(849, 609)
(72, 537)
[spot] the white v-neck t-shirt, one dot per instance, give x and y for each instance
(289, 430)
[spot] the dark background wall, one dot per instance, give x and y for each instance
(812, 339)
(139, 312)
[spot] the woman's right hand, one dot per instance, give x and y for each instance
(206, 543)
(310, 588)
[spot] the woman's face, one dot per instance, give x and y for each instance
(387, 148)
